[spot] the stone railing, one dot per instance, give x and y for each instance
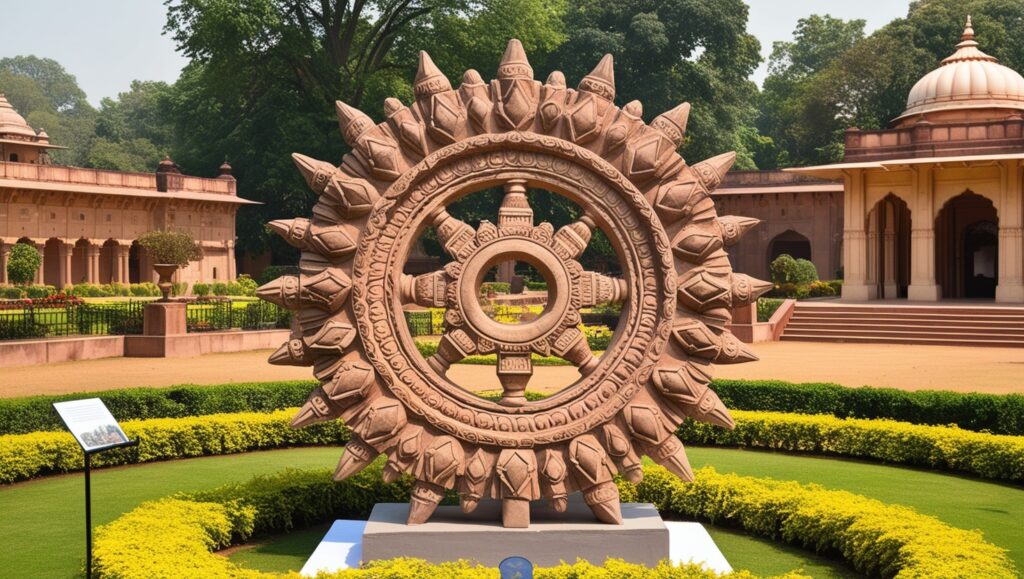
(99, 177)
(925, 139)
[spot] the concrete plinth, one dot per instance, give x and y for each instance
(164, 319)
(551, 537)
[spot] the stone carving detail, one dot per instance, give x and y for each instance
(676, 289)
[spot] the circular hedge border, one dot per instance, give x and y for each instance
(176, 536)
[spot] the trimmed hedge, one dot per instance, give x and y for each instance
(946, 448)
(24, 456)
(174, 537)
(876, 538)
(996, 413)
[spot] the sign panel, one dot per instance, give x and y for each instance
(90, 423)
(516, 568)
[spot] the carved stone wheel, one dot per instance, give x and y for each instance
(677, 289)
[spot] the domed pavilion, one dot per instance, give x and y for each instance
(933, 205)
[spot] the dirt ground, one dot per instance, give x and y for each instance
(995, 370)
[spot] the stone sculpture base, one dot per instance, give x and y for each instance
(164, 319)
(551, 538)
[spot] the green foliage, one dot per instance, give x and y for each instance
(876, 538)
(166, 246)
(804, 272)
(22, 263)
(997, 413)
(766, 308)
(498, 287)
(219, 288)
(25, 456)
(246, 285)
(201, 289)
(90, 290)
(163, 538)
(10, 292)
(939, 447)
(39, 291)
(786, 270)
(272, 272)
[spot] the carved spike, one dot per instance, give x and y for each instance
(316, 173)
(590, 462)
(291, 353)
(404, 455)
(702, 290)
(621, 451)
(514, 64)
(357, 456)
(601, 80)
(429, 79)
(472, 78)
(351, 382)
(552, 475)
(746, 290)
(382, 420)
(317, 408)
(392, 106)
(355, 197)
(326, 290)
(291, 230)
(352, 121)
(687, 386)
(712, 171)
(556, 80)
(424, 500)
(473, 484)
(696, 339)
(603, 500)
(734, 227)
(282, 291)
(671, 455)
(634, 108)
(734, 351)
(672, 123)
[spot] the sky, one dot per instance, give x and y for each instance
(106, 44)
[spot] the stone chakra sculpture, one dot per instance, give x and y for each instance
(677, 289)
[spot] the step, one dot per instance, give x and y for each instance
(1002, 324)
(910, 314)
(934, 330)
(901, 332)
(896, 340)
(1000, 311)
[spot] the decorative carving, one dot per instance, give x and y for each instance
(398, 181)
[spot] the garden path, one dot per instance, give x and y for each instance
(909, 367)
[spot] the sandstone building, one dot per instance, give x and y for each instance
(85, 221)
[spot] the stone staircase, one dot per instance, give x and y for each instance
(949, 325)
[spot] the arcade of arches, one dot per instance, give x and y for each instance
(933, 207)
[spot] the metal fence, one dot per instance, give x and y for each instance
(125, 318)
(424, 323)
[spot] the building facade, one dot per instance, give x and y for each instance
(85, 222)
(933, 206)
(800, 215)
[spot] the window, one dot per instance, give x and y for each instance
(109, 217)
(53, 216)
(14, 157)
(81, 216)
(214, 273)
(23, 212)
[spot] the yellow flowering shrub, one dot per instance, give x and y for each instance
(176, 537)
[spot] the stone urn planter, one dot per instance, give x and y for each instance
(165, 271)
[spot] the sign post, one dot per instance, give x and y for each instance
(96, 431)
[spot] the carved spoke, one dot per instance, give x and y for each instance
(514, 372)
(571, 346)
(427, 290)
(596, 288)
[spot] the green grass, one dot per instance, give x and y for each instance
(42, 523)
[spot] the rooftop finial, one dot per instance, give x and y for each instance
(968, 30)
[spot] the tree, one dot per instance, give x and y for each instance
(135, 130)
(264, 75)
(170, 247)
(667, 52)
(23, 263)
(50, 98)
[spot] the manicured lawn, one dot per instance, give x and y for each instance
(42, 523)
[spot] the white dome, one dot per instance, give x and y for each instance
(968, 79)
(11, 123)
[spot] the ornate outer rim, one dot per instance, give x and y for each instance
(589, 403)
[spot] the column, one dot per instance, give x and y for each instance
(230, 244)
(922, 239)
(41, 272)
(64, 251)
(888, 251)
(122, 261)
(5, 252)
(855, 242)
(92, 252)
(1010, 288)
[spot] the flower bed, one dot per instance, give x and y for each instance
(24, 456)
(175, 537)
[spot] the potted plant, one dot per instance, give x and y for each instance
(168, 250)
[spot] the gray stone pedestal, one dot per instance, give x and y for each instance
(551, 538)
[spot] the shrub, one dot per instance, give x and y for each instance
(22, 263)
(201, 289)
(766, 308)
(804, 272)
(179, 288)
(876, 538)
(598, 337)
(939, 447)
(246, 285)
(39, 291)
(9, 292)
(820, 289)
(24, 456)
(498, 287)
(537, 286)
(175, 536)
(166, 246)
(272, 272)
(427, 349)
(783, 269)
(219, 288)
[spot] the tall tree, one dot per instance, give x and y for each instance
(264, 75)
(135, 130)
(667, 52)
(50, 98)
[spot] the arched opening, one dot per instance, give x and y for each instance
(889, 247)
(80, 262)
(789, 242)
(967, 247)
(51, 262)
(135, 263)
(13, 158)
(108, 262)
